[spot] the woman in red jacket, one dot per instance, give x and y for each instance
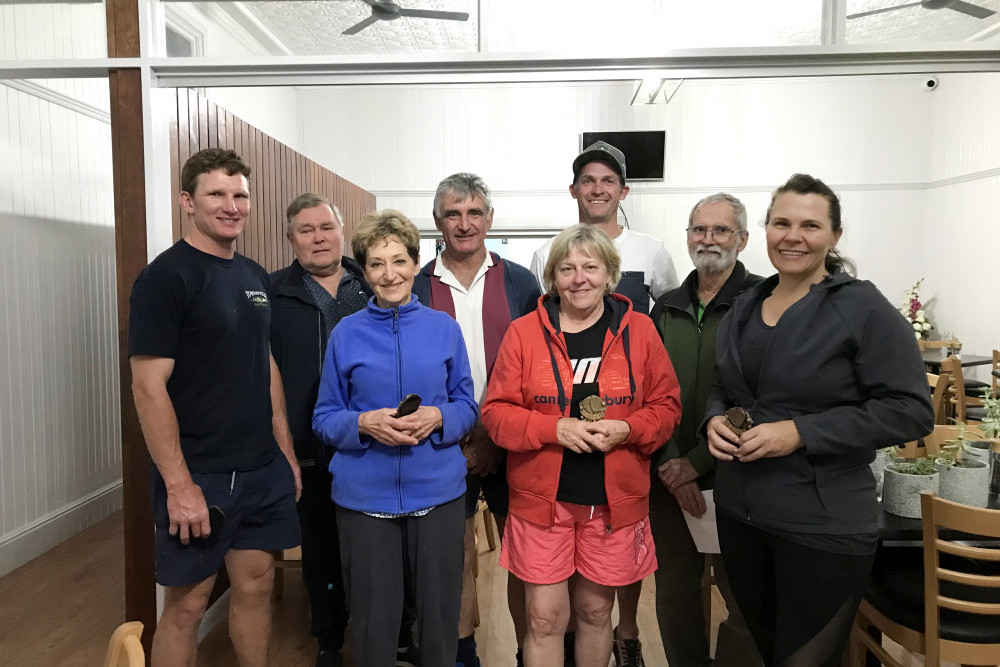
(581, 394)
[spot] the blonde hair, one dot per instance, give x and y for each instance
(381, 225)
(591, 241)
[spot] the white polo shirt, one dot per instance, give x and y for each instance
(469, 315)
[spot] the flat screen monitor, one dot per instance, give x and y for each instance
(644, 151)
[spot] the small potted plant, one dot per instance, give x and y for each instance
(973, 449)
(963, 480)
(904, 480)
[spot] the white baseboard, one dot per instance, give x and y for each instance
(34, 539)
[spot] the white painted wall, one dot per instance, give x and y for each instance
(866, 137)
(917, 171)
(961, 243)
(60, 444)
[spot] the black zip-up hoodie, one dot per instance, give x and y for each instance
(843, 364)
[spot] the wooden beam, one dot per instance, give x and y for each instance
(130, 259)
(128, 165)
(123, 28)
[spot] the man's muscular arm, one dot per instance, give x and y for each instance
(185, 503)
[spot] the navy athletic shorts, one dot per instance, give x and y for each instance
(259, 508)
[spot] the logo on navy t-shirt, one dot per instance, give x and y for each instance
(257, 298)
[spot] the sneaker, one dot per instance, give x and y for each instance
(627, 652)
(329, 658)
(408, 656)
(569, 649)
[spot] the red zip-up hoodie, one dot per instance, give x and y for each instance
(526, 398)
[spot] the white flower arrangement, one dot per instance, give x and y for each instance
(914, 313)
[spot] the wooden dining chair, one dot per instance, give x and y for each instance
(125, 647)
(957, 398)
(961, 583)
(942, 601)
(938, 385)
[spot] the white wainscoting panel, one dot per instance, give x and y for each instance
(60, 444)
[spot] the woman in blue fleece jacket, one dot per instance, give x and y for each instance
(398, 482)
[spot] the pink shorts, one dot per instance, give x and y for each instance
(581, 541)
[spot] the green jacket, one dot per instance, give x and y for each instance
(692, 352)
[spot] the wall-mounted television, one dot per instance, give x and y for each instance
(644, 151)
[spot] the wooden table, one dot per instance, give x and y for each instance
(933, 358)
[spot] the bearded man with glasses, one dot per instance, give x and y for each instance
(687, 318)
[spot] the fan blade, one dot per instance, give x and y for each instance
(972, 10)
(358, 27)
(883, 10)
(434, 14)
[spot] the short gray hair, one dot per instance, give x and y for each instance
(591, 240)
(739, 210)
(309, 200)
(462, 185)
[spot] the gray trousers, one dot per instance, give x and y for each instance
(679, 610)
(380, 557)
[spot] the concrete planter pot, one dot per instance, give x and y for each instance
(901, 491)
(967, 483)
(978, 450)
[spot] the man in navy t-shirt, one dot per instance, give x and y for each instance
(210, 402)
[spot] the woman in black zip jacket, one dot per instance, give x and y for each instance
(825, 371)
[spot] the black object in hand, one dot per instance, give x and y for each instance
(407, 406)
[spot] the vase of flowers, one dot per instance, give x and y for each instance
(913, 310)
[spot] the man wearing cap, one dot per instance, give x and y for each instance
(598, 187)
(484, 293)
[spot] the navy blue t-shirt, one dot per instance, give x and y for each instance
(212, 317)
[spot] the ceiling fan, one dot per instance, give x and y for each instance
(390, 11)
(968, 8)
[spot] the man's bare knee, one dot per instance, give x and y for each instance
(185, 606)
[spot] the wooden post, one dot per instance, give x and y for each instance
(130, 258)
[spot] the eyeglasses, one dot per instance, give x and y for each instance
(719, 232)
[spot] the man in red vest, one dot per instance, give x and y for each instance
(484, 293)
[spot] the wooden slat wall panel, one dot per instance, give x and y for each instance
(278, 175)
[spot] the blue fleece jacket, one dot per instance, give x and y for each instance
(374, 358)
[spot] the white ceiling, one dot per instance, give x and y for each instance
(597, 27)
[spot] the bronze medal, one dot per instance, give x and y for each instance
(738, 420)
(592, 409)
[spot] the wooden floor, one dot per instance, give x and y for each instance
(60, 609)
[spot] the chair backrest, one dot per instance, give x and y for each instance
(930, 444)
(938, 344)
(956, 387)
(939, 391)
(973, 578)
(125, 647)
(996, 371)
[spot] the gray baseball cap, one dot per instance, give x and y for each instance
(600, 151)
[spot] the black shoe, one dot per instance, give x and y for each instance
(329, 658)
(627, 652)
(408, 656)
(569, 649)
